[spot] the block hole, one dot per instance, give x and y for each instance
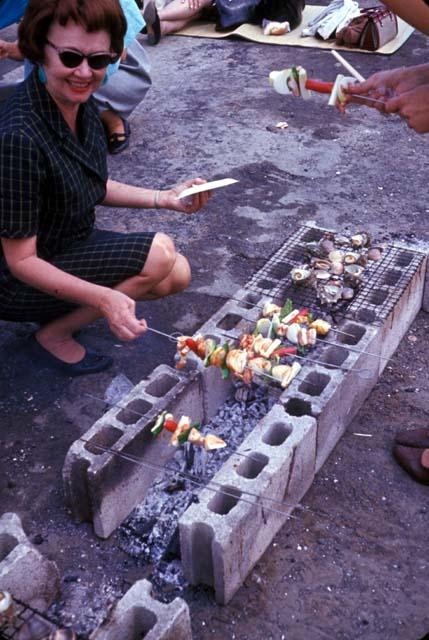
(224, 500)
(7, 544)
(144, 621)
(138, 445)
(297, 407)
(334, 356)
(253, 465)
(356, 333)
(276, 434)
(103, 439)
(314, 384)
(135, 410)
(230, 321)
(266, 284)
(392, 277)
(378, 297)
(280, 270)
(404, 259)
(162, 385)
(202, 560)
(366, 315)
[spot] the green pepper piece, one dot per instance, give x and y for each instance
(159, 424)
(287, 308)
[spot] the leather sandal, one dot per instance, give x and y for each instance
(117, 142)
(413, 460)
(91, 362)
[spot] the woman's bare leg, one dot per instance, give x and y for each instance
(165, 272)
(177, 15)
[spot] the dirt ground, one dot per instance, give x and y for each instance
(354, 563)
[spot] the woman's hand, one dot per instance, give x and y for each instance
(191, 204)
(120, 312)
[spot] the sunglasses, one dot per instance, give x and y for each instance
(71, 58)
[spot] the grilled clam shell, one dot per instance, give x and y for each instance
(337, 268)
(351, 258)
(336, 256)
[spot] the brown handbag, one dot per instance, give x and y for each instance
(372, 29)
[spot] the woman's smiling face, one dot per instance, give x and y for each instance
(71, 87)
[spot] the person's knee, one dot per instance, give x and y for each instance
(161, 258)
(181, 274)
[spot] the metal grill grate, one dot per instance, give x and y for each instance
(383, 284)
(25, 614)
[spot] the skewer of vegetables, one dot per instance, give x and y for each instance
(183, 431)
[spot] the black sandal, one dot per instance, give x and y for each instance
(153, 23)
(117, 142)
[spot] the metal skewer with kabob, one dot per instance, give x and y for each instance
(294, 81)
(184, 431)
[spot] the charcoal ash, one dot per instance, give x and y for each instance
(150, 534)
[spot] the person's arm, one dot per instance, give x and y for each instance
(415, 12)
(119, 194)
(119, 310)
(413, 106)
(10, 50)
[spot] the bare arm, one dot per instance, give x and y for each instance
(119, 310)
(123, 195)
(415, 12)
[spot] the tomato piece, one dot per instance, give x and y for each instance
(170, 425)
(284, 351)
(190, 342)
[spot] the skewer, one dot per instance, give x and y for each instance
(360, 372)
(170, 336)
(258, 306)
(343, 346)
(348, 66)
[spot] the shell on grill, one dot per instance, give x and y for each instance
(351, 258)
(336, 255)
(300, 275)
(337, 268)
(347, 293)
(361, 239)
(330, 293)
(374, 253)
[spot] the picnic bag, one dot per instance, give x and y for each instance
(233, 13)
(372, 29)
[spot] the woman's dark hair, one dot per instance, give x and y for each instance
(92, 15)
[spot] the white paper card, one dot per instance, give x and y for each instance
(206, 186)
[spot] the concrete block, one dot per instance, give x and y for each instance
(406, 308)
(24, 572)
(225, 534)
(333, 396)
(138, 615)
(103, 487)
(425, 302)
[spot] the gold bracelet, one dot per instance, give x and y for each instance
(155, 204)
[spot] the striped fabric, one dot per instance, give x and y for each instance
(50, 183)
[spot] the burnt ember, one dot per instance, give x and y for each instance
(150, 534)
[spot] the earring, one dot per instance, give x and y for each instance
(42, 75)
